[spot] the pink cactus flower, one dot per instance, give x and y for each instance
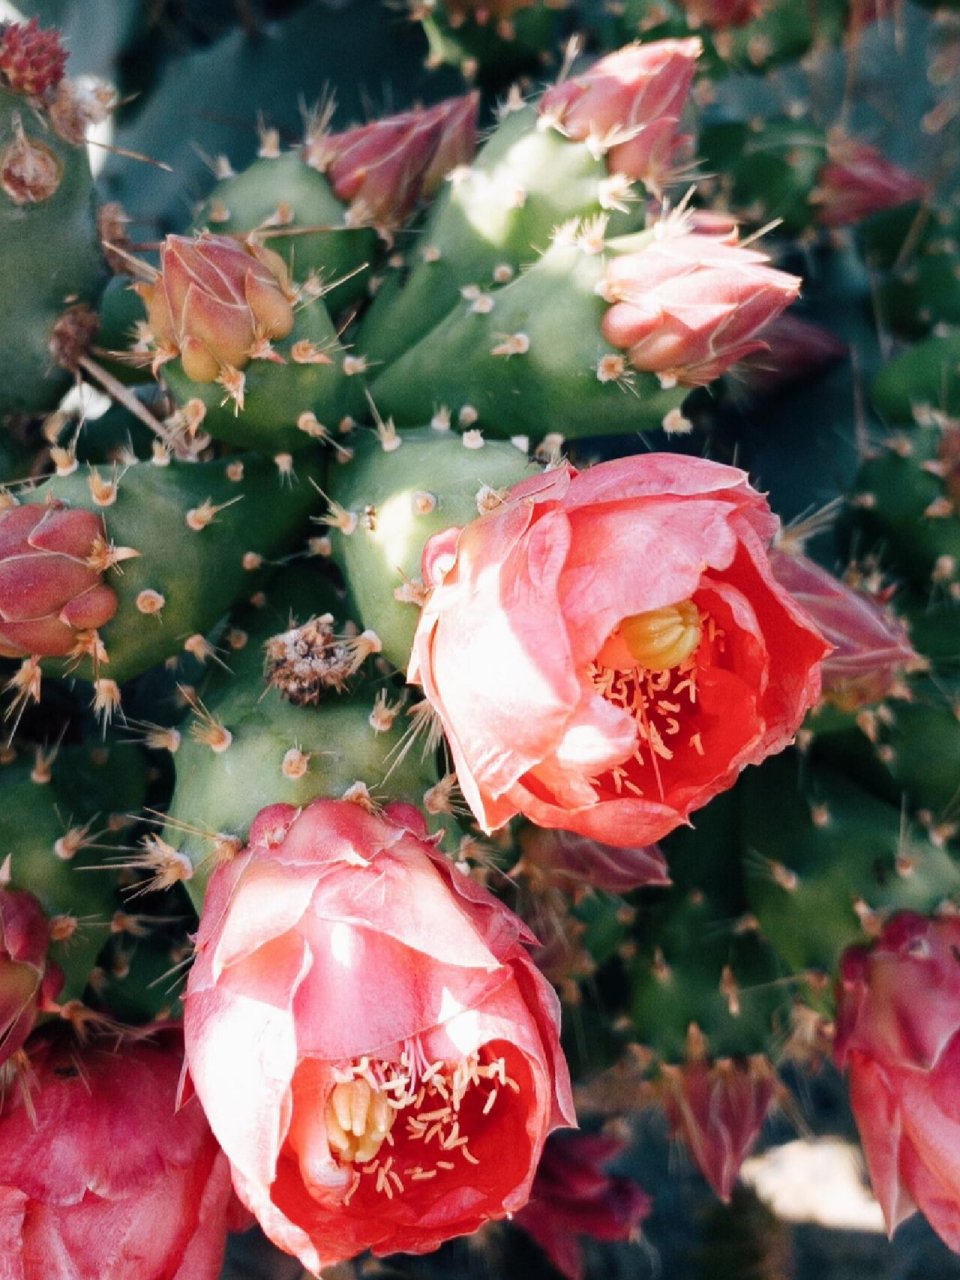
(27, 978)
(898, 1035)
(628, 106)
(102, 1177)
(573, 1198)
(690, 305)
(382, 170)
(871, 646)
(859, 180)
(718, 1109)
(215, 302)
(51, 579)
(371, 1042)
(606, 650)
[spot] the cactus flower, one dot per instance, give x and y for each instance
(898, 1035)
(871, 646)
(607, 649)
(51, 579)
(690, 305)
(26, 976)
(574, 1197)
(372, 1044)
(382, 169)
(859, 180)
(717, 1109)
(628, 106)
(216, 303)
(102, 1176)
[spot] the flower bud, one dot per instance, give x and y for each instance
(871, 647)
(214, 301)
(382, 169)
(689, 305)
(25, 975)
(628, 104)
(51, 582)
(859, 180)
(898, 1017)
(573, 1197)
(31, 60)
(721, 14)
(795, 351)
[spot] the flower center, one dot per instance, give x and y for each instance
(359, 1118)
(663, 638)
(405, 1125)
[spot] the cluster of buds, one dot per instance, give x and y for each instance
(32, 61)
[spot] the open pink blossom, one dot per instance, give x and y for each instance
(607, 649)
(101, 1176)
(898, 1035)
(689, 304)
(375, 1050)
(574, 1197)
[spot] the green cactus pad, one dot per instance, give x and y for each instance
(393, 500)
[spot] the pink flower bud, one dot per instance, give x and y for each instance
(382, 169)
(718, 1110)
(690, 305)
(51, 585)
(898, 1017)
(573, 1197)
(24, 937)
(859, 180)
(102, 1174)
(214, 301)
(567, 859)
(871, 646)
(794, 351)
(31, 61)
(628, 105)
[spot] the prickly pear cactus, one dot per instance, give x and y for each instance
(479, 619)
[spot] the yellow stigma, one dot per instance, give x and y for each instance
(663, 638)
(358, 1120)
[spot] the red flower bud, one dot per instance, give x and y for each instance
(382, 169)
(567, 859)
(859, 180)
(26, 977)
(720, 14)
(214, 301)
(690, 305)
(370, 1040)
(871, 646)
(101, 1174)
(51, 582)
(628, 105)
(31, 60)
(718, 1110)
(898, 1018)
(573, 1197)
(793, 351)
